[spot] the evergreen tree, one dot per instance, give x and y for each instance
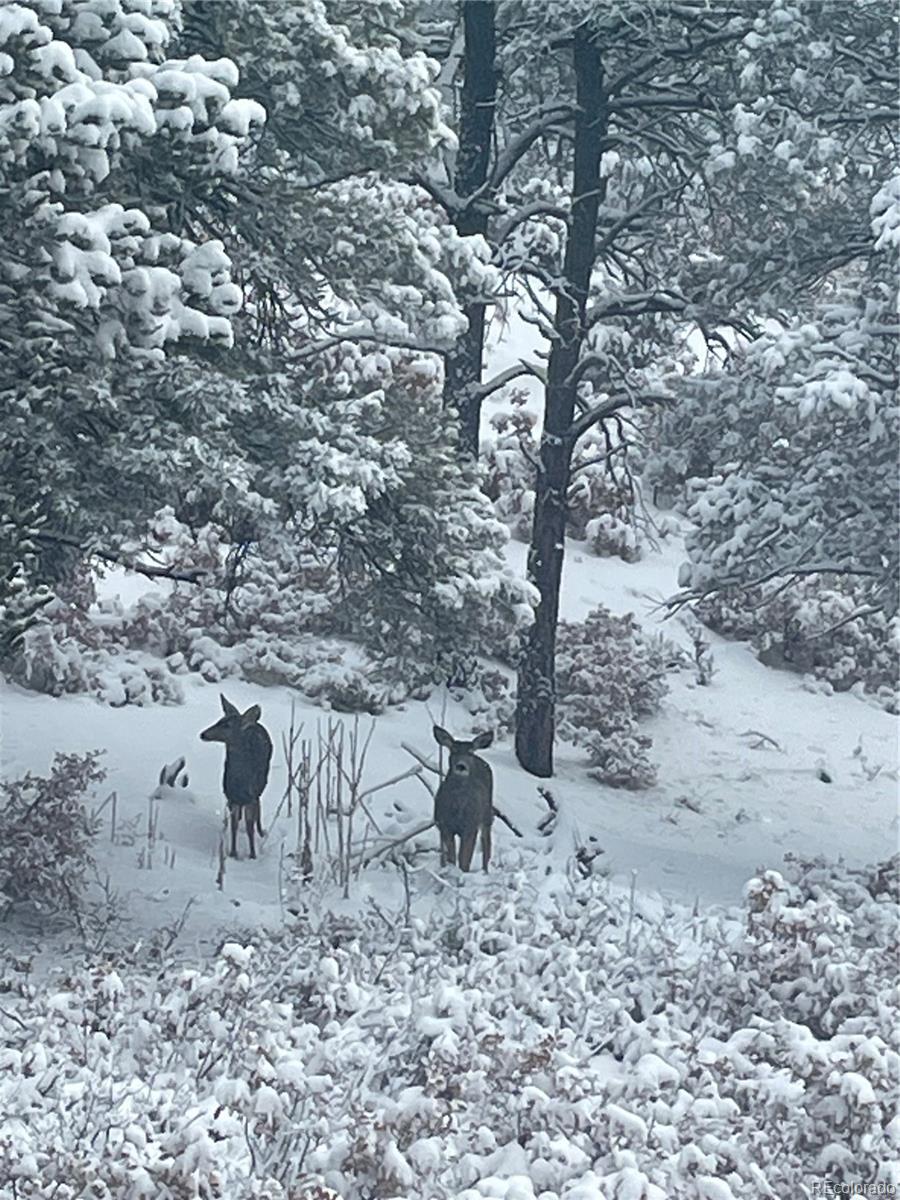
(313, 428)
(804, 481)
(100, 133)
(713, 159)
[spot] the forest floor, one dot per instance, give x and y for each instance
(754, 766)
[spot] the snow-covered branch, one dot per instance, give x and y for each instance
(792, 570)
(635, 305)
(514, 372)
(518, 146)
(121, 559)
(538, 208)
(609, 407)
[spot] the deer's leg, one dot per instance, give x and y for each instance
(467, 849)
(485, 846)
(448, 849)
(251, 820)
(235, 814)
(259, 828)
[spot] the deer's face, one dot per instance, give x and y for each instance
(231, 725)
(226, 730)
(462, 754)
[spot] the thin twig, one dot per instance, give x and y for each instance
(420, 758)
(376, 853)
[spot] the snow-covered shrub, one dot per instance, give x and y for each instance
(47, 834)
(820, 627)
(571, 1048)
(344, 688)
(803, 950)
(510, 466)
(600, 498)
(613, 535)
(805, 483)
(490, 697)
(137, 657)
(65, 652)
(608, 677)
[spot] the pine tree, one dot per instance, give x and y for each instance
(99, 133)
(313, 429)
(703, 192)
(809, 487)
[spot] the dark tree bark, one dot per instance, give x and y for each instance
(463, 365)
(535, 715)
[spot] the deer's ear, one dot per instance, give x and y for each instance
(228, 709)
(251, 716)
(482, 741)
(442, 737)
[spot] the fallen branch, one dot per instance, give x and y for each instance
(763, 738)
(383, 849)
(547, 823)
(388, 782)
(506, 821)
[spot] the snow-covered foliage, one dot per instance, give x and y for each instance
(404, 287)
(575, 1047)
(609, 676)
(324, 249)
(86, 97)
(601, 493)
(353, 519)
(510, 468)
(784, 459)
(20, 598)
(47, 834)
(100, 133)
(334, 237)
(820, 627)
(287, 454)
(376, 102)
(804, 481)
(66, 652)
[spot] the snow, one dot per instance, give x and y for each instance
(740, 777)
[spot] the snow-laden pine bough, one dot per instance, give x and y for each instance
(248, 753)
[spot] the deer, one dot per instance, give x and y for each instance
(248, 752)
(463, 804)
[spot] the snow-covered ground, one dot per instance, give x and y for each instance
(742, 779)
(528, 1035)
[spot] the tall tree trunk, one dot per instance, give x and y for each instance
(463, 364)
(535, 713)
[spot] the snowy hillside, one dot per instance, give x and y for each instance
(742, 767)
